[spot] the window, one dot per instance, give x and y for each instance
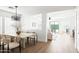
(9, 29)
(54, 26)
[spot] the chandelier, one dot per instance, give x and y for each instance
(16, 17)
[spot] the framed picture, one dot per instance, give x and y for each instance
(33, 24)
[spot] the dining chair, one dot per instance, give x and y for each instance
(33, 38)
(10, 46)
(2, 43)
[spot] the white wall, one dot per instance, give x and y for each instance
(44, 27)
(40, 27)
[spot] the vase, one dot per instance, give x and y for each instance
(18, 32)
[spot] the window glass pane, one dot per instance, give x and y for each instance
(9, 28)
(54, 26)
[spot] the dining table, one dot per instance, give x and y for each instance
(24, 37)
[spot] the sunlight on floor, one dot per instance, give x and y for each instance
(62, 43)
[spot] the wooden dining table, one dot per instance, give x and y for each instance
(24, 37)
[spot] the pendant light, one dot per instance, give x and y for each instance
(16, 17)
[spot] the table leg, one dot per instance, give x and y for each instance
(28, 40)
(24, 43)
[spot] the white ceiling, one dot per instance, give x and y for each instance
(37, 9)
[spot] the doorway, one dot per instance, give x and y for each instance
(62, 26)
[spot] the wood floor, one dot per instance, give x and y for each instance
(49, 47)
(61, 44)
(42, 47)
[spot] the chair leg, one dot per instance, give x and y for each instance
(3, 48)
(34, 41)
(36, 38)
(8, 48)
(20, 49)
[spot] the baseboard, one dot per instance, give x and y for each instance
(49, 39)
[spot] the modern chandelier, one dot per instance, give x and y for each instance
(16, 17)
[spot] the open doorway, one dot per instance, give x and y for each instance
(61, 29)
(53, 29)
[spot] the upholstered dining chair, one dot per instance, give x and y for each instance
(10, 46)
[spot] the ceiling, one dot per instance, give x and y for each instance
(37, 9)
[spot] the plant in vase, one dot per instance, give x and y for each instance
(18, 31)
